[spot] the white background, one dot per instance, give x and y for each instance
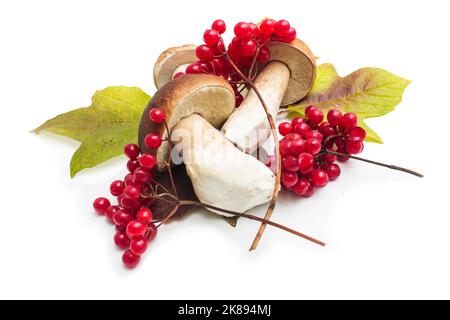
(388, 233)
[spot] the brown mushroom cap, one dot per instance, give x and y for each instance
(169, 61)
(302, 64)
(206, 95)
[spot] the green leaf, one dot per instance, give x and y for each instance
(368, 92)
(103, 128)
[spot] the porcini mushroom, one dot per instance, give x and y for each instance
(285, 79)
(222, 175)
(172, 61)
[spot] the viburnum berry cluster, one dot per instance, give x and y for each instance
(132, 217)
(311, 147)
(247, 50)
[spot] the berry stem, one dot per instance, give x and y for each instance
(276, 188)
(390, 166)
(251, 217)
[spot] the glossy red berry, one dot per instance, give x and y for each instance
(194, 68)
(305, 162)
(157, 115)
(211, 37)
(289, 179)
(291, 164)
(281, 28)
(333, 171)
(121, 240)
(267, 27)
(349, 120)
(139, 245)
(285, 128)
(116, 188)
(319, 178)
(122, 218)
(285, 147)
(136, 229)
(314, 134)
(315, 116)
(334, 117)
(292, 136)
(130, 260)
(100, 205)
(297, 121)
(153, 140)
(141, 176)
(248, 48)
(131, 151)
(310, 191)
(219, 26)
(132, 165)
(302, 129)
(357, 134)
(290, 35)
(264, 55)
(147, 161)
(109, 213)
(204, 53)
(144, 215)
(178, 74)
(152, 231)
(132, 192)
(355, 147)
(301, 187)
(297, 147)
(243, 31)
(313, 146)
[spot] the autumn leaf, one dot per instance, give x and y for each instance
(104, 128)
(368, 92)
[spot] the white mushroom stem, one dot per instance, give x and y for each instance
(248, 126)
(222, 175)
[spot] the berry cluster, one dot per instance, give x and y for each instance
(132, 217)
(311, 146)
(247, 48)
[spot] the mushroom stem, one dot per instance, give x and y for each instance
(248, 127)
(221, 174)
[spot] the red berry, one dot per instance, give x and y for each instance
(121, 240)
(297, 121)
(132, 192)
(297, 147)
(219, 26)
(141, 176)
(349, 120)
(135, 229)
(116, 188)
(144, 215)
(357, 134)
(131, 151)
(138, 246)
(100, 205)
(110, 212)
(285, 147)
(264, 55)
(342, 158)
(310, 191)
(301, 187)
(132, 165)
(305, 162)
(333, 171)
(255, 31)
(281, 28)
(204, 53)
(153, 140)
(152, 232)
(319, 178)
(243, 31)
(178, 74)
(194, 68)
(218, 65)
(334, 117)
(302, 129)
(157, 115)
(284, 128)
(267, 27)
(289, 179)
(355, 147)
(328, 130)
(130, 180)
(314, 134)
(313, 146)
(130, 260)
(315, 116)
(147, 161)
(292, 136)
(290, 35)
(211, 37)
(248, 48)
(122, 218)
(291, 164)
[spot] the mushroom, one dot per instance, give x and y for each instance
(222, 175)
(172, 61)
(285, 79)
